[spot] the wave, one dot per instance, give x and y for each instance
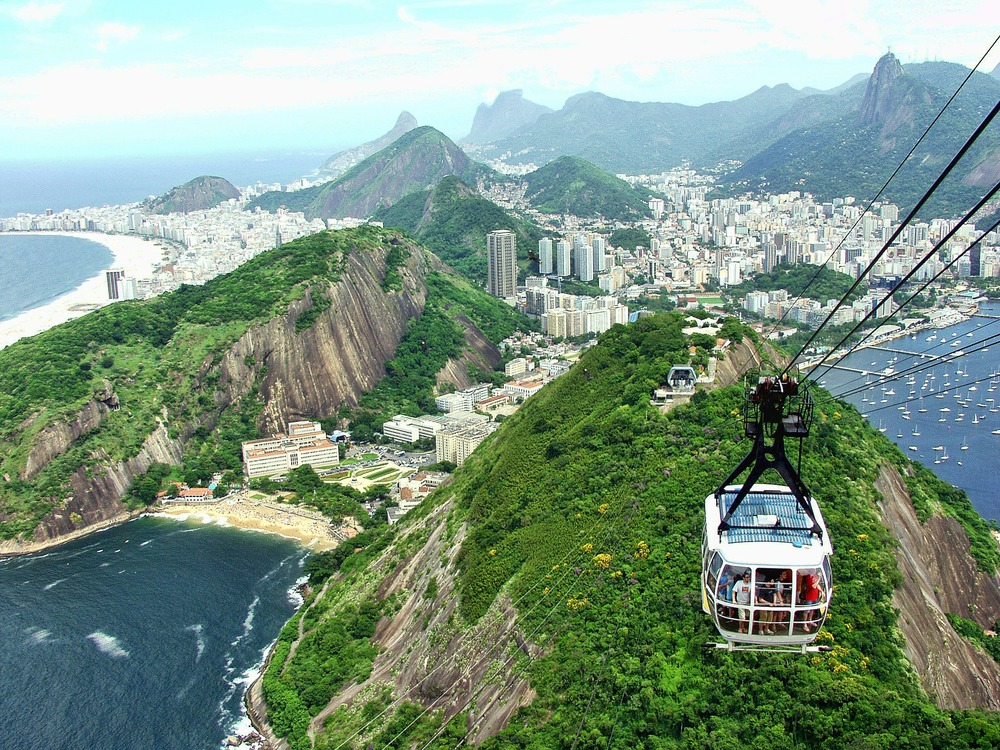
(108, 644)
(38, 636)
(295, 597)
(54, 584)
(198, 631)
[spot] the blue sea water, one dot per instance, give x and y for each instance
(142, 636)
(33, 186)
(947, 422)
(36, 269)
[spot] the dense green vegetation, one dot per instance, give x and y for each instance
(453, 221)
(432, 339)
(798, 280)
(586, 510)
(629, 238)
(570, 185)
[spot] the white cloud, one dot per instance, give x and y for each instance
(113, 32)
(37, 12)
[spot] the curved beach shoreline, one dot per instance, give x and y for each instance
(136, 256)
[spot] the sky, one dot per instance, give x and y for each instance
(115, 78)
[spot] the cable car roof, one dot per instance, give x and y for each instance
(773, 526)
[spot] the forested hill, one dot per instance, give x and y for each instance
(453, 220)
(550, 596)
(571, 185)
(360, 320)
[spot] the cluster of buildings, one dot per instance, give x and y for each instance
(779, 304)
(197, 246)
(455, 434)
(305, 444)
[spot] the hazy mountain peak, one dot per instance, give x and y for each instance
(878, 102)
(509, 112)
(340, 162)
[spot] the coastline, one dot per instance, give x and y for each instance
(256, 515)
(11, 548)
(137, 256)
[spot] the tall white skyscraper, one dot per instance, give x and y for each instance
(115, 278)
(584, 257)
(545, 256)
(600, 254)
(501, 260)
(563, 258)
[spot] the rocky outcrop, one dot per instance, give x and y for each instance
(426, 656)
(939, 576)
(199, 194)
(509, 112)
(56, 438)
(878, 95)
(341, 356)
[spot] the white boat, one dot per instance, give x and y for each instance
(938, 448)
(996, 432)
(964, 447)
(913, 447)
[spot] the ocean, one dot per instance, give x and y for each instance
(33, 186)
(36, 269)
(943, 415)
(142, 636)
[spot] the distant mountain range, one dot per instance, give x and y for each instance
(844, 141)
(867, 134)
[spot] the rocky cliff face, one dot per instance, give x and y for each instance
(509, 112)
(341, 356)
(940, 576)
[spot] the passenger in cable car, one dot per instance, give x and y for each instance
(783, 595)
(766, 598)
(741, 595)
(725, 591)
(810, 593)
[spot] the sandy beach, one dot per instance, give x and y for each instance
(265, 515)
(137, 256)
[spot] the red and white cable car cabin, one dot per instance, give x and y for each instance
(766, 577)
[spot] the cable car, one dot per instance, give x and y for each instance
(766, 578)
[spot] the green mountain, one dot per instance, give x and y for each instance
(574, 186)
(417, 160)
(360, 320)
(453, 221)
(198, 194)
(549, 597)
(855, 152)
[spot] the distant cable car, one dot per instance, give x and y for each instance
(766, 577)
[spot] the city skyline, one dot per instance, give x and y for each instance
(91, 78)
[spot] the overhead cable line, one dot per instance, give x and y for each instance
(885, 185)
(913, 212)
